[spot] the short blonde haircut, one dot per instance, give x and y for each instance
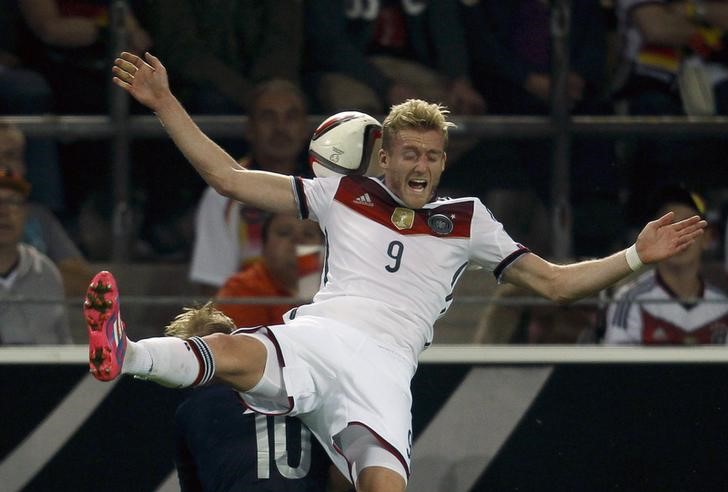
(199, 322)
(418, 115)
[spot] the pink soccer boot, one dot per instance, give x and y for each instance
(106, 331)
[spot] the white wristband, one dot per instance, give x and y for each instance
(633, 259)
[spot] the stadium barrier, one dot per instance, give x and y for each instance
(484, 418)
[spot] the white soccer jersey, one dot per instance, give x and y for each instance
(632, 321)
(390, 270)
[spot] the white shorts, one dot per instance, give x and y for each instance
(336, 375)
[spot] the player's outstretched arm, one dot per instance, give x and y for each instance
(146, 80)
(660, 239)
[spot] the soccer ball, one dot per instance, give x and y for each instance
(345, 144)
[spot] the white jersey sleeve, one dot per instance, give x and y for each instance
(318, 193)
(491, 246)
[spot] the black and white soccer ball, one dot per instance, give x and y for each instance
(346, 143)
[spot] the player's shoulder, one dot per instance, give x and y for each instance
(471, 206)
(443, 199)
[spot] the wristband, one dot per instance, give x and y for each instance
(633, 259)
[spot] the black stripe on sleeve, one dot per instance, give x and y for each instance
(300, 197)
(508, 260)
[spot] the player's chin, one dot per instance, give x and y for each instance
(416, 200)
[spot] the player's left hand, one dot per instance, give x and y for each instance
(145, 79)
(661, 238)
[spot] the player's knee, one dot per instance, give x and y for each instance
(239, 360)
(378, 473)
(373, 467)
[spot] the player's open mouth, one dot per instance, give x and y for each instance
(417, 184)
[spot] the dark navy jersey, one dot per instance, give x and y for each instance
(222, 448)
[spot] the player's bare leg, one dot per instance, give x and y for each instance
(377, 478)
(239, 359)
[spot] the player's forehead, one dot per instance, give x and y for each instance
(430, 140)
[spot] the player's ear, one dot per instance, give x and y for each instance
(383, 159)
(444, 161)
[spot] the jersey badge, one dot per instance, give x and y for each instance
(403, 218)
(440, 224)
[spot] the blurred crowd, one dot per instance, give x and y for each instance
(280, 61)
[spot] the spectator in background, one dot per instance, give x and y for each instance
(686, 310)
(216, 51)
(26, 272)
(72, 44)
(367, 56)
(673, 62)
(42, 229)
(221, 445)
(228, 233)
(278, 272)
(510, 58)
(25, 92)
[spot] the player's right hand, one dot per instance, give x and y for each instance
(146, 80)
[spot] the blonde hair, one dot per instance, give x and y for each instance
(199, 322)
(415, 114)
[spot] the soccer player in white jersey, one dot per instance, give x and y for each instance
(343, 364)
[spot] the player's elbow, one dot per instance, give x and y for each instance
(559, 296)
(221, 183)
(560, 288)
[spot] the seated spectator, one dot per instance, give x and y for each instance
(673, 62)
(278, 273)
(221, 445)
(510, 47)
(216, 54)
(42, 229)
(686, 310)
(26, 272)
(228, 233)
(72, 41)
(368, 56)
(25, 92)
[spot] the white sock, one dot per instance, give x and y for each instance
(170, 361)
